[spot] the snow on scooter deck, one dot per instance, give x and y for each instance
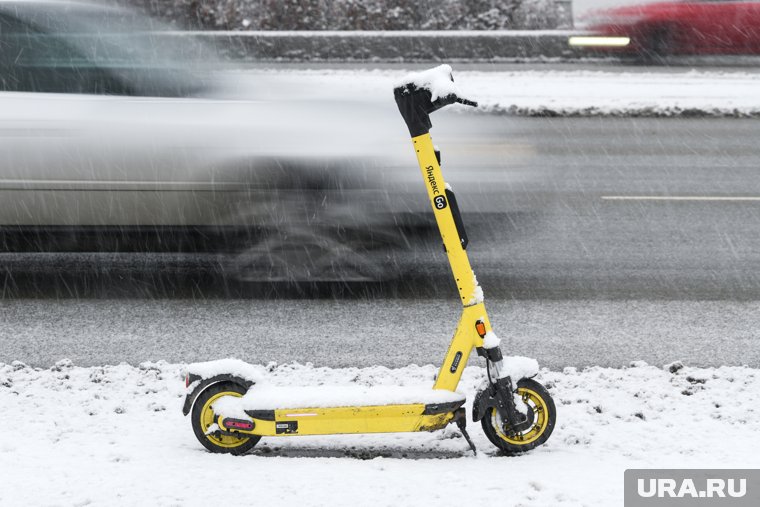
(268, 397)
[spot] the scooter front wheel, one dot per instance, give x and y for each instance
(202, 418)
(541, 416)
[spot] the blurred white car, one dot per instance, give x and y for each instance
(114, 138)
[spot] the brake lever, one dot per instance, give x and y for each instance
(466, 102)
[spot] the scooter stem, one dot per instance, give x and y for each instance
(444, 207)
(415, 104)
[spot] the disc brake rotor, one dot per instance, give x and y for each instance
(525, 424)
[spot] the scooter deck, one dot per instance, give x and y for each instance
(319, 410)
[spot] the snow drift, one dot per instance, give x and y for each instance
(115, 435)
(667, 93)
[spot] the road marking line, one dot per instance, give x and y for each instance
(677, 198)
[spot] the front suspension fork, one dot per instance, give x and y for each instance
(499, 394)
(505, 402)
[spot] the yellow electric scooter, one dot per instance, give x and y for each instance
(232, 408)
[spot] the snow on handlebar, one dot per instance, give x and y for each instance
(439, 81)
(420, 93)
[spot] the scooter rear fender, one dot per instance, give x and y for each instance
(199, 384)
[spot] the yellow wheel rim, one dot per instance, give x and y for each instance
(540, 419)
(207, 419)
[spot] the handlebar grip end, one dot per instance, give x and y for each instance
(466, 102)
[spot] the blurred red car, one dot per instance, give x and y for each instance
(675, 28)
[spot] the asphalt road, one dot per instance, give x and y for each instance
(623, 239)
(587, 208)
(619, 207)
(388, 332)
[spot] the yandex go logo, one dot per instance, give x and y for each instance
(430, 173)
(729, 488)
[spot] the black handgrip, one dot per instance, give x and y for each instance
(416, 104)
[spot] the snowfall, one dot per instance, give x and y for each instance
(667, 92)
(115, 435)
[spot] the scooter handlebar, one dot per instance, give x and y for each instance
(416, 103)
(451, 98)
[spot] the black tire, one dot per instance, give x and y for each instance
(543, 412)
(306, 256)
(200, 418)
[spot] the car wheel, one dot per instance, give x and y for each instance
(306, 256)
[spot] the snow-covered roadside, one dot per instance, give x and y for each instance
(573, 93)
(115, 435)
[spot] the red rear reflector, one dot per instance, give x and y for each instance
(187, 380)
(480, 327)
(238, 424)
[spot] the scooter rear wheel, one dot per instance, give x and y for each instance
(541, 413)
(202, 418)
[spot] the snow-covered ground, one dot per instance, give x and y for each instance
(574, 93)
(115, 435)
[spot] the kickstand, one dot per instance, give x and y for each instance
(461, 419)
